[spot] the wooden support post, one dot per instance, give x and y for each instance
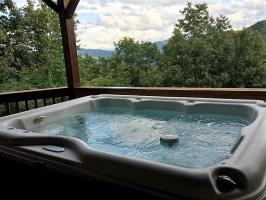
(71, 7)
(65, 10)
(52, 5)
(69, 45)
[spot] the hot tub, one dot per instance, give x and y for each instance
(186, 148)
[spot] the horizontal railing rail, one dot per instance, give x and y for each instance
(14, 102)
(226, 93)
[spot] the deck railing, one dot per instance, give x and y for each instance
(226, 93)
(14, 102)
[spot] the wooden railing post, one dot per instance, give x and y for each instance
(69, 45)
(65, 10)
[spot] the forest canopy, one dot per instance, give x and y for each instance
(203, 51)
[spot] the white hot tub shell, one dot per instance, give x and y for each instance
(241, 177)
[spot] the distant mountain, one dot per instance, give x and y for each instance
(95, 52)
(161, 44)
(108, 53)
(261, 27)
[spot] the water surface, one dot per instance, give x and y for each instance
(204, 139)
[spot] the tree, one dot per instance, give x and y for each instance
(206, 52)
(139, 57)
(103, 72)
(202, 52)
(127, 51)
(248, 67)
(260, 26)
(31, 46)
(42, 26)
(6, 51)
(197, 21)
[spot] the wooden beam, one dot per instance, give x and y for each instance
(71, 7)
(52, 5)
(69, 46)
(225, 93)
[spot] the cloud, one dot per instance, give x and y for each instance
(106, 21)
(20, 2)
(241, 13)
(135, 21)
(154, 20)
(141, 20)
(152, 3)
(100, 37)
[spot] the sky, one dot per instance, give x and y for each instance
(103, 22)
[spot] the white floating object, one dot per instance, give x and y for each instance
(169, 138)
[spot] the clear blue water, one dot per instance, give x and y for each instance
(204, 139)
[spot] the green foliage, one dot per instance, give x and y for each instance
(207, 53)
(102, 72)
(247, 68)
(138, 57)
(202, 52)
(30, 49)
(198, 22)
(133, 64)
(261, 28)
